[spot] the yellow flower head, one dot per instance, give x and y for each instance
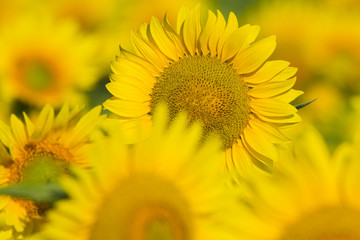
(137, 193)
(316, 36)
(217, 74)
(37, 153)
(313, 196)
(45, 61)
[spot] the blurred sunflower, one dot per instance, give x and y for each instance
(313, 196)
(314, 40)
(112, 20)
(217, 74)
(135, 193)
(35, 153)
(43, 61)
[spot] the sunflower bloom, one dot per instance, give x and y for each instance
(217, 74)
(45, 61)
(135, 193)
(35, 153)
(314, 196)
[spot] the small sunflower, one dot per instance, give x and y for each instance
(217, 74)
(314, 196)
(135, 193)
(36, 153)
(45, 61)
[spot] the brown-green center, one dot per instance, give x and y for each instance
(43, 169)
(210, 91)
(144, 207)
(38, 76)
(332, 223)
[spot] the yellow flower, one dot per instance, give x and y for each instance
(316, 36)
(217, 74)
(153, 190)
(313, 196)
(45, 61)
(111, 20)
(37, 153)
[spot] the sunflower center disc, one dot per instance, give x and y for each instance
(209, 91)
(38, 76)
(43, 169)
(326, 224)
(144, 208)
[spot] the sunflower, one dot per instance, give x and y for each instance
(45, 61)
(314, 196)
(136, 193)
(35, 153)
(217, 74)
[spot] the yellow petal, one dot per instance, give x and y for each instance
(251, 36)
(161, 39)
(127, 109)
(148, 52)
(191, 30)
(289, 96)
(266, 72)
(285, 74)
(143, 82)
(205, 34)
(174, 37)
(272, 108)
(231, 26)
(44, 122)
(253, 57)
(240, 158)
(62, 118)
(234, 42)
(267, 129)
(271, 89)
(128, 91)
(135, 130)
(127, 58)
(5, 134)
(216, 33)
(29, 125)
(85, 125)
(18, 130)
(259, 147)
(289, 119)
(183, 13)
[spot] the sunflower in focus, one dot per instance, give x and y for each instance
(37, 153)
(314, 196)
(217, 74)
(135, 193)
(45, 61)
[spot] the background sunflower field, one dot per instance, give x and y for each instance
(56, 58)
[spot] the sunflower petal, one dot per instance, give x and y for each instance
(289, 96)
(217, 31)
(253, 57)
(183, 14)
(161, 39)
(266, 72)
(144, 49)
(267, 129)
(271, 89)
(128, 91)
(231, 26)
(270, 107)
(125, 108)
(234, 42)
(191, 30)
(205, 34)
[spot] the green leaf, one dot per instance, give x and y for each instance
(49, 192)
(304, 104)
